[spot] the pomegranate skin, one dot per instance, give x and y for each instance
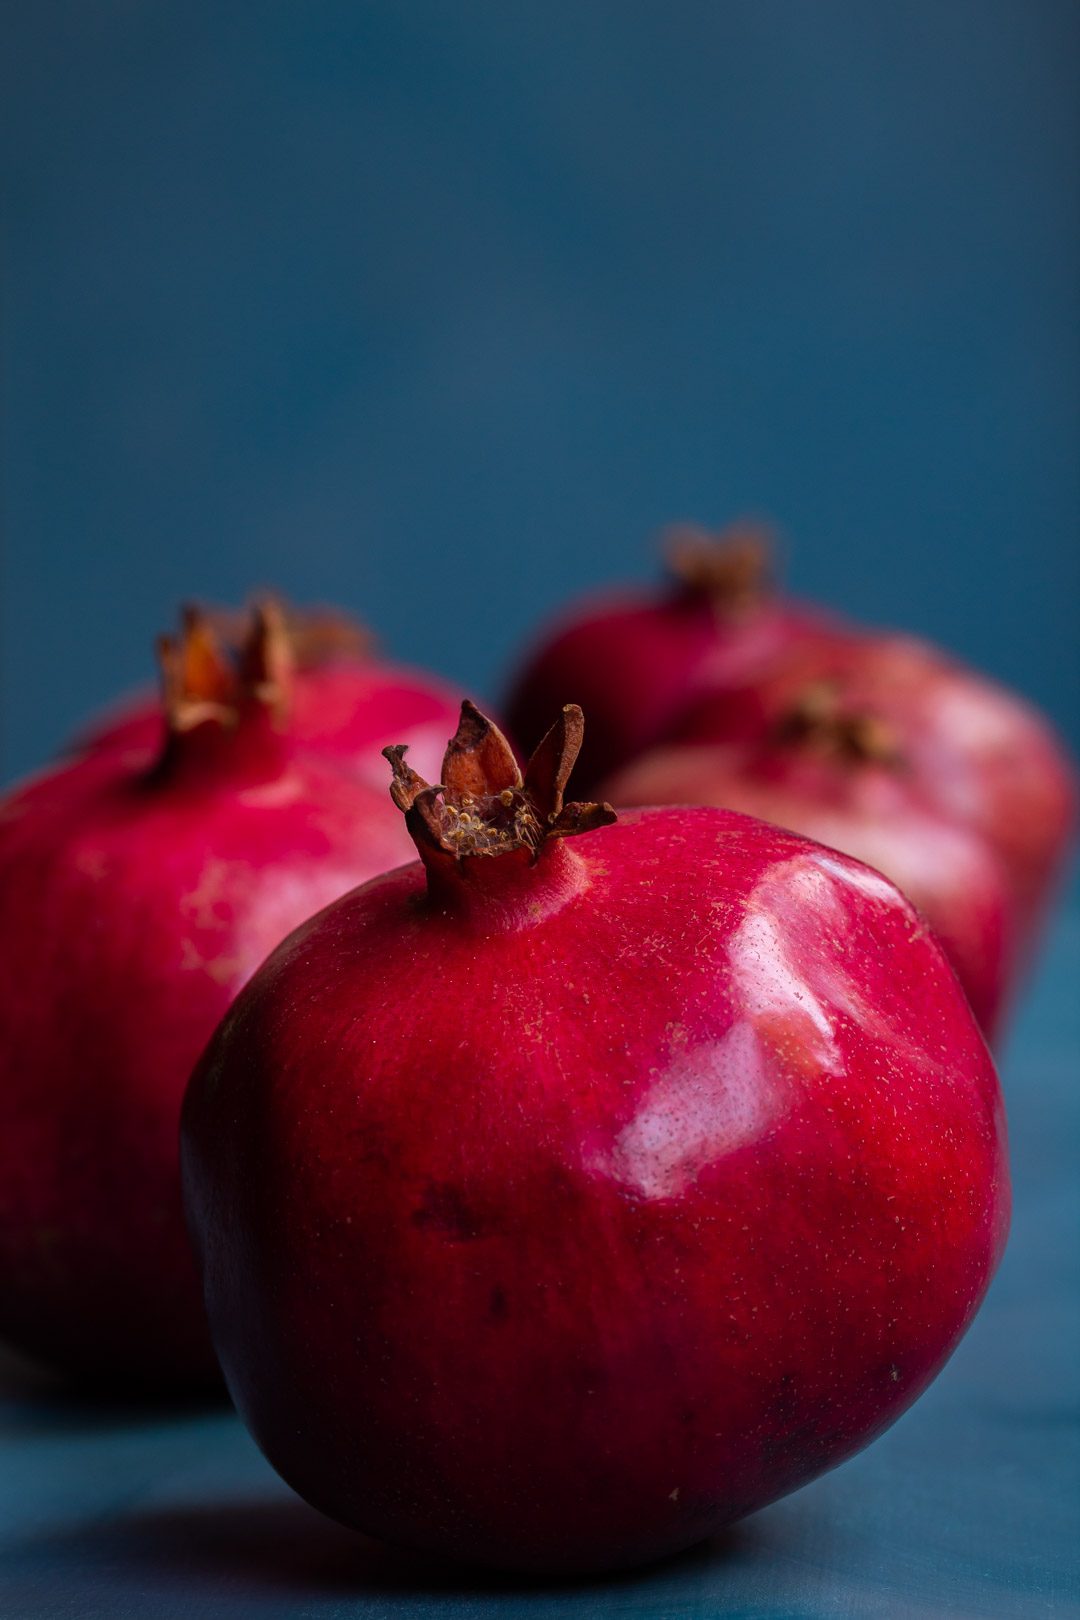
(353, 712)
(872, 812)
(137, 894)
(991, 760)
(553, 1215)
(633, 659)
(981, 755)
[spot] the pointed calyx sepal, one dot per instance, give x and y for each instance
(317, 636)
(483, 805)
(206, 676)
(822, 718)
(730, 569)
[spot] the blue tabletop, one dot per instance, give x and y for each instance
(969, 1507)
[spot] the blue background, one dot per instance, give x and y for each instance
(440, 309)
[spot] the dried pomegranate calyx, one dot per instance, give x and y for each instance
(203, 679)
(732, 569)
(483, 805)
(317, 636)
(819, 717)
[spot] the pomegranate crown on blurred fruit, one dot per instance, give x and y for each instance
(732, 566)
(211, 670)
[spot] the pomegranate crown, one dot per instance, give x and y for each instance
(210, 675)
(821, 718)
(483, 805)
(732, 568)
(316, 635)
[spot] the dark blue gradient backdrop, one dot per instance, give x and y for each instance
(440, 309)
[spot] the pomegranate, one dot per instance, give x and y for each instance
(561, 1198)
(345, 701)
(836, 775)
(633, 659)
(980, 755)
(140, 886)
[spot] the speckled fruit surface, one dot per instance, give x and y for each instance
(555, 1211)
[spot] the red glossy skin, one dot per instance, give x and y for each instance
(633, 660)
(981, 756)
(870, 811)
(559, 1215)
(132, 908)
(347, 709)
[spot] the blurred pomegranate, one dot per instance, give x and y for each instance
(141, 885)
(633, 659)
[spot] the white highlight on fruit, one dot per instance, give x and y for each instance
(711, 1100)
(872, 884)
(771, 987)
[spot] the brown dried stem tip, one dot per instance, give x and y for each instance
(317, 635)
(731, 569)
(203, 679)
(819, 718)
(484, 806)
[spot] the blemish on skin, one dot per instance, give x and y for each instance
(207, 905)
(93, 863)
(673, 1496)
(444, 1209)
(285, 789)
(894, 1374)
(500, 1310)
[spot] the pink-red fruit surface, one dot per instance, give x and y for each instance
(139, 889)
(566, 1200)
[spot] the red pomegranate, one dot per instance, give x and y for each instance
(633, 659)
(346, 702)
(140, 886)
(836, 775)
(559, 1199)
(980, 756)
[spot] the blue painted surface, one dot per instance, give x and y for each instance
(441, 309)
(969, 1507)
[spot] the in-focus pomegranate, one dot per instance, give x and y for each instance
(559, 1199)
(345, 701)
(140, 886)
(977, 754)
(633, 659)
(837, 775)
